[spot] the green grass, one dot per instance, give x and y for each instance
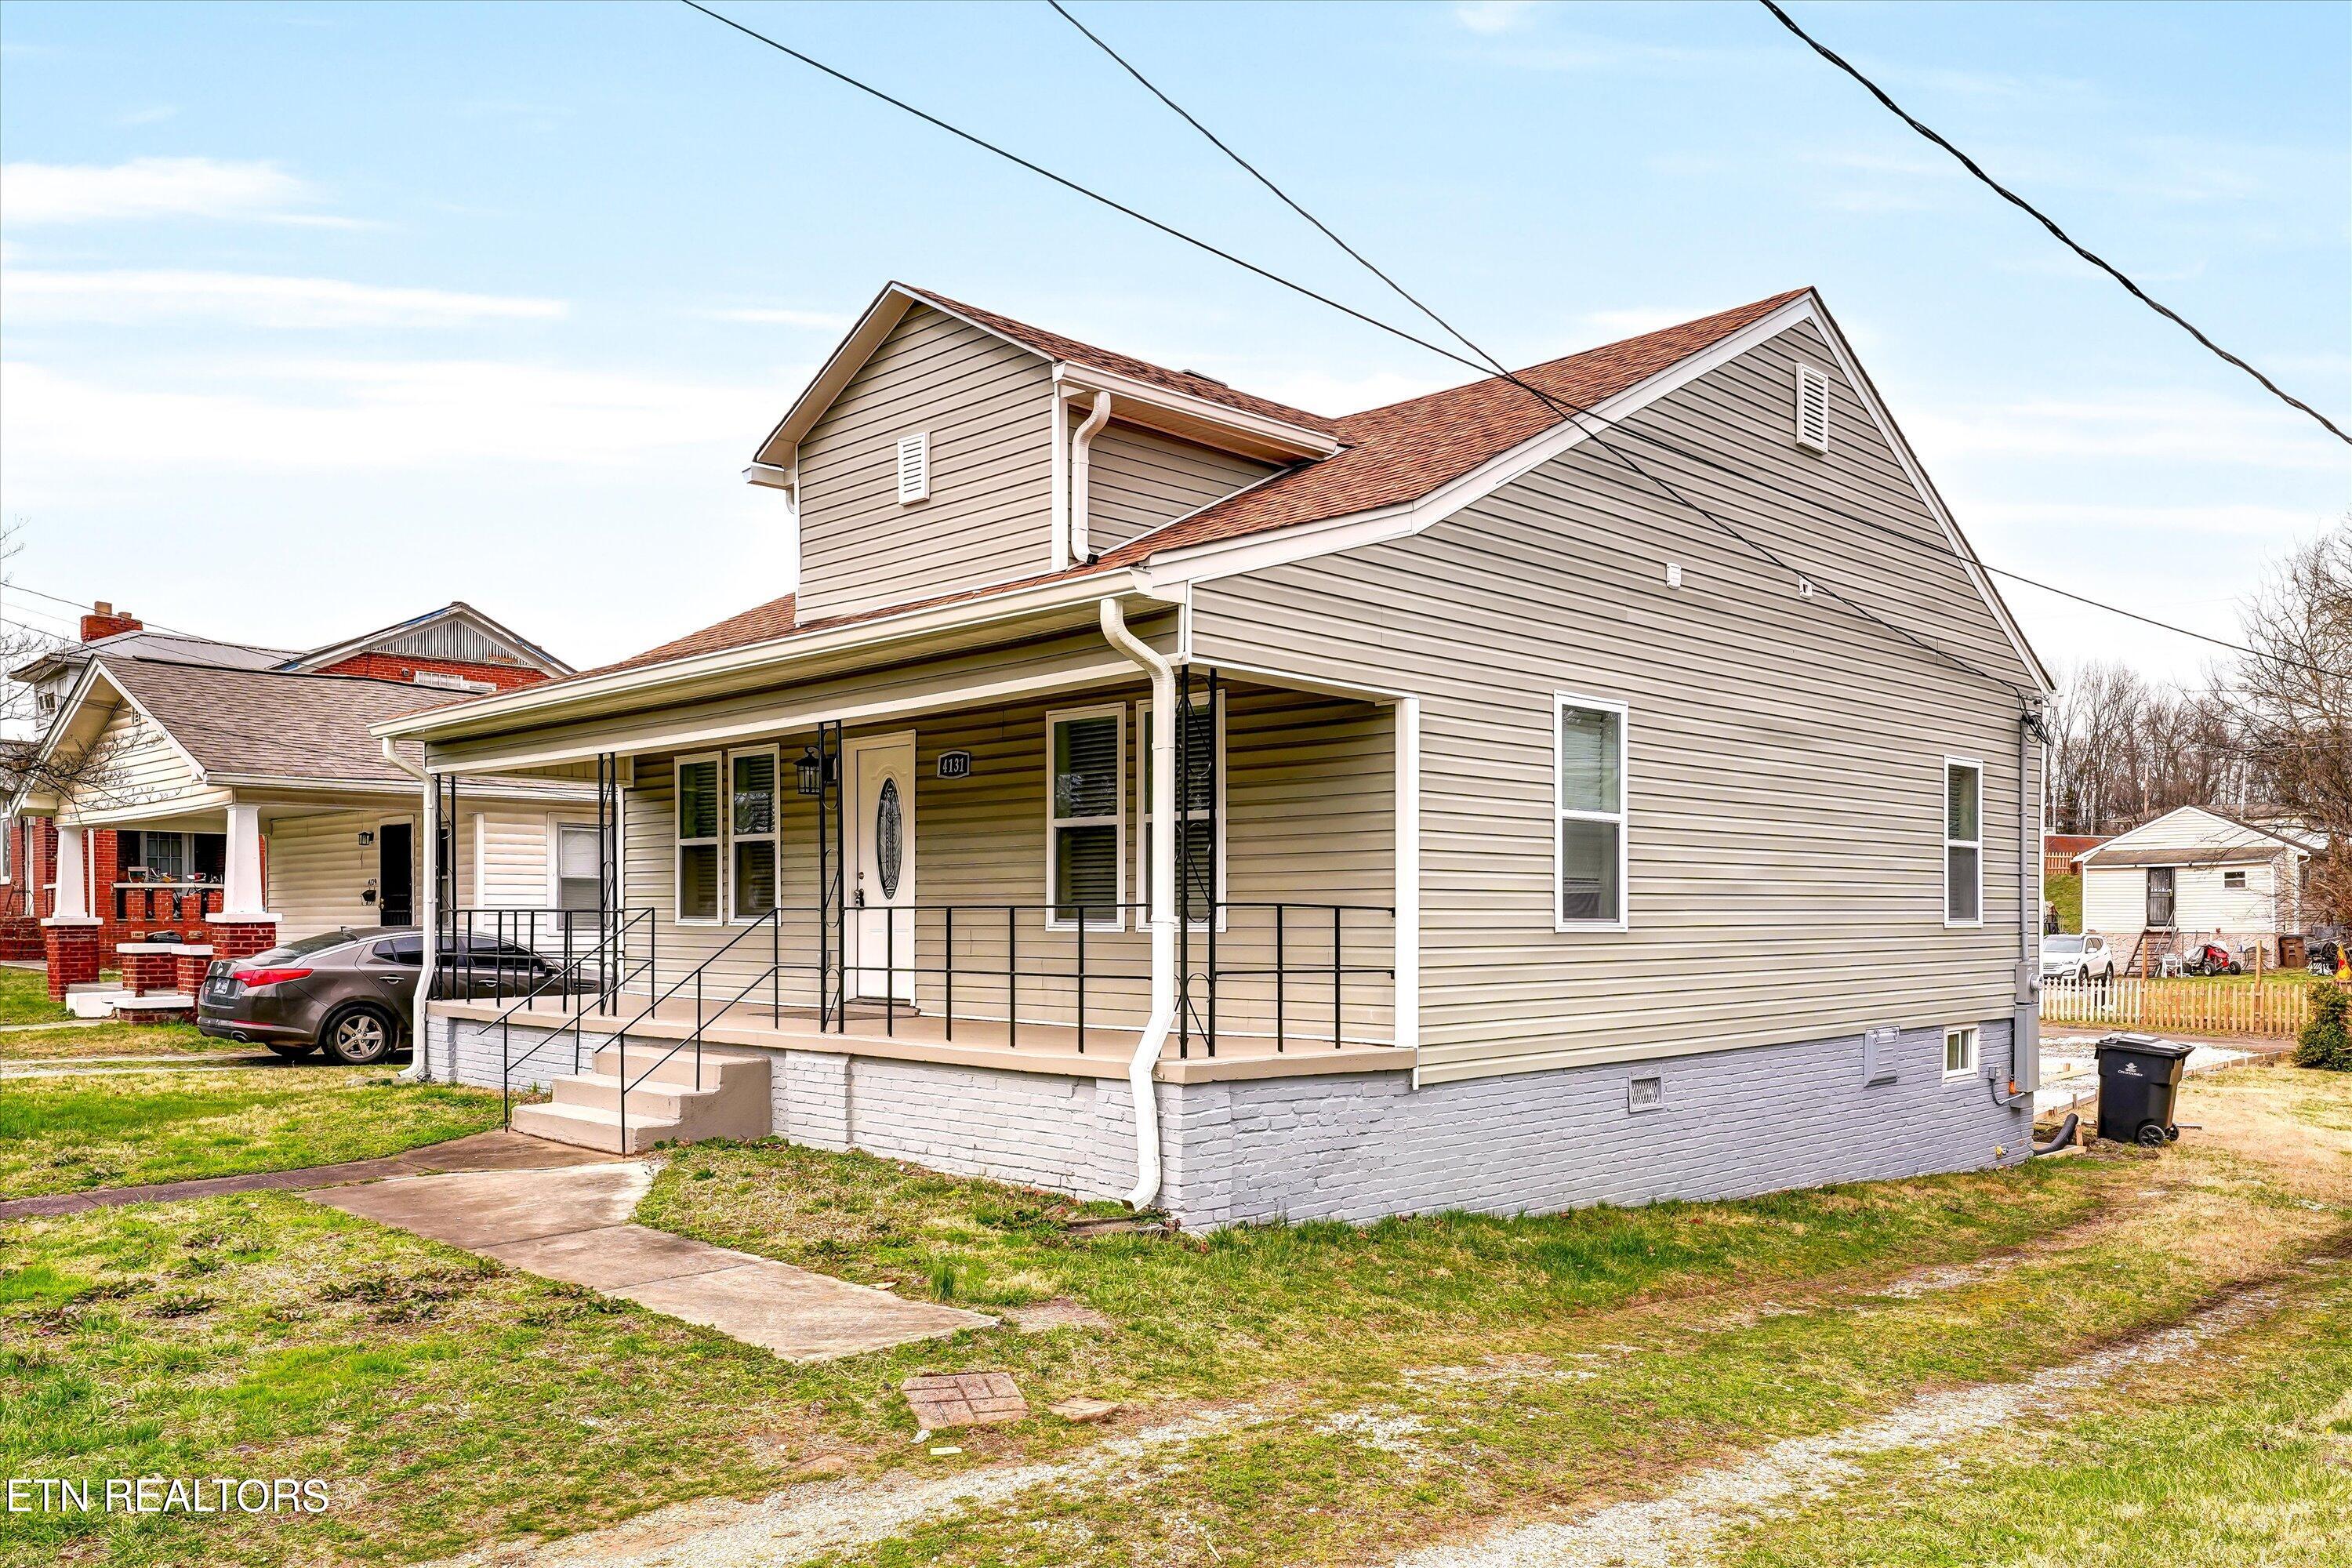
(68, 1133)
(112, 1040)
(2065, 893)
(2240, 1456)
(450, 1403)
(25, 997)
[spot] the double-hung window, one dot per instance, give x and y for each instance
(579, 868)
(697, 837)
(751, 831)
(1589, 786)
(1086, 753)
(1200, 825)
(1963, 841)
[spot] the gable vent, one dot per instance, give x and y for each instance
(914, 468)
(1812, 409)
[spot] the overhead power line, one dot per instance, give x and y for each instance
(1485, 365)
(2044, 219)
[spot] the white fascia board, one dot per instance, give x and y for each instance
(776, 721)
(1227, 558)
(775, 653)
(158, 810)
(782, 443)
(1223, 558)
(772, 476)
(90, 676)
(1285, 439)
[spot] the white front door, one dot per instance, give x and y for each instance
(881, 864)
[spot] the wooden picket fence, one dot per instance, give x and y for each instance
(2215, 1006)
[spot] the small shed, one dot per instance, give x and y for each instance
(2193, 873)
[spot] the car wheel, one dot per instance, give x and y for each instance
(294, 1053)
(2083, 975)
(358, 1037)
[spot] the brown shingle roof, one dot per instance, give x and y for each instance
(271, 723)
(1053, 345)
(1397, 453)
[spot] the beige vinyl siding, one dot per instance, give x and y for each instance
(987, 407)
(1308, 803)
(137, 764)
(317, 870)
(1786, 781)
(1138, 480)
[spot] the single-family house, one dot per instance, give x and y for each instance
(1155, 790)
(2194, 874)
(204, 799)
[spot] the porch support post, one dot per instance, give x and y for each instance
(420, 1066)
(1406, 992)
(72, 905)
(241, 894)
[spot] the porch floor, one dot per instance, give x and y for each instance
(977, 1042)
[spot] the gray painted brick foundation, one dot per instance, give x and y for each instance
(1355, 1147)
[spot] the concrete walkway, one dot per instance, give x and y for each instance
(479, 1152)
(572, 1224)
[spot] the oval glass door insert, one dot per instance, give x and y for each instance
(889, 839)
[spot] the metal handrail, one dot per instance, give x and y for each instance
(508, 1061)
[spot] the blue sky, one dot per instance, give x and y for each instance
(316, 316)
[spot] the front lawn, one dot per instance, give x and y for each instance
(112, 1039)
(25, 997)
(109, 1130)
(1387, 1386)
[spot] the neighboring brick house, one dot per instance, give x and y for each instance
(136, 880)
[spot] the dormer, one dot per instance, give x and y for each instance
(943, 448)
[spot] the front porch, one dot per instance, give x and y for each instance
(958, 893)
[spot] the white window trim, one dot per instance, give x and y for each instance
(679, 843)
(1117, 820)
(1143, 822)
(1561, 702)
(1944, 817)
(1967, 1071)
(775, 836)
(557, 824)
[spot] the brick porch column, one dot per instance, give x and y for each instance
(149, 968)
(243, 927)
(69, 937)
(189, 968)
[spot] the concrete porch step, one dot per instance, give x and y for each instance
(587, 1127)
(720, 1067)
(653, 1099)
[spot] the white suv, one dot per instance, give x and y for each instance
(2077, 957)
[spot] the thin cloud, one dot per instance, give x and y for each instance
(129, 297)
(150, 188)
(767, 316)
(2176, 427)
(1489, 17)
(365, 415)
(153, 114)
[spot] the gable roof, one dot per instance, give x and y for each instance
(2121, 850)
(1425, 457)
(149, 644)
(272, 723)
(526, 652)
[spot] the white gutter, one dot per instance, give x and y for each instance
(393, 757)
(1081, 449)
(1139, 1070)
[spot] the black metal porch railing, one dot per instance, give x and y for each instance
(490, 955)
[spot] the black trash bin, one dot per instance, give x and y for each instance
(2138, 1077)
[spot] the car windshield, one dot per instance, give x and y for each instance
(2060, 944)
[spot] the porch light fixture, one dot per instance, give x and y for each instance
(810, 772)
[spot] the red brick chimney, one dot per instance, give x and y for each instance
(102, 622)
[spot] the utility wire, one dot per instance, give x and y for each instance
(1489, 367)
(1748, 476)
(2038, 216)
(1486, 365)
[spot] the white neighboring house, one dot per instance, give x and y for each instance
(2194, 873)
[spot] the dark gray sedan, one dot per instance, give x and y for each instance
(353, 992)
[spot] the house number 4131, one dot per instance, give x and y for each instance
(955, 764)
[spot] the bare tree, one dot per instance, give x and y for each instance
(2128, 750)
(86, 766)
(2295, 707)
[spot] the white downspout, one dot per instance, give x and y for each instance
(1163, 764)
(1081, 447)
(428, 908)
